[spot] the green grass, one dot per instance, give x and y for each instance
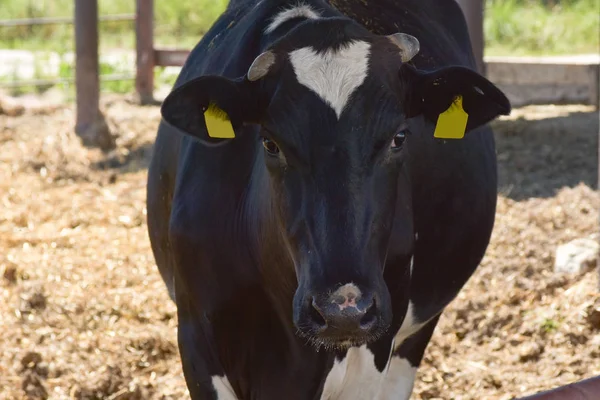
(549, 325)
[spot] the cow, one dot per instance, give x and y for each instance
(322, 185)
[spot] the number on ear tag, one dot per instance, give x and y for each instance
(218, 124)
(452, 123)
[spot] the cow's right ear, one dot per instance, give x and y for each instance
(212, 108)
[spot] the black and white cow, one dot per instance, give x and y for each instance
(311, 245)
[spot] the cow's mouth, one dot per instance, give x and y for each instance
(341, 341)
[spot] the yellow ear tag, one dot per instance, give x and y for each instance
(452, 123)
(218, 124)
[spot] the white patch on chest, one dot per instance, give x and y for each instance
(409, 326)
(301, 10)
(171, 287)
(223, 388)
(356, 378)
(332, 75)
(353, 378)
(400, 379)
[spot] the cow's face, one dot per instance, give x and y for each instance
(332, 102)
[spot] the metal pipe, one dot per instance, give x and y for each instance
(89, 124)
(60, 20)
(473, 11)
(86, 63)
(47, 82)
(144, 37)
(170, 57)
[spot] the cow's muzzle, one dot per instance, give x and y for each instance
(347, 317)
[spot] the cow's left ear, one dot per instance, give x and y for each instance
(212, 108)
(456, 99)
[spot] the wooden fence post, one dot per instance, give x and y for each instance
(144, 33)
(90, 125)
(473, 11)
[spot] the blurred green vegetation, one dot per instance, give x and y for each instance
(542, 27)
(512, 27)
(177, 22)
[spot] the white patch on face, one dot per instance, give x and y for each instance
(223, 388)
(399, 381)
(346, 296)
(301, 10)
(332, 75)
(412, 259)
(356, 377)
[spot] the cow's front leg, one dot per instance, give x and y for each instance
(404, 362)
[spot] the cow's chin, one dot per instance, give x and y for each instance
(340, 343)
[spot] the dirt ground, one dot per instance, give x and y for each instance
(84, 314)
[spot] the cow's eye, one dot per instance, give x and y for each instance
(398, 140)
(270, 146)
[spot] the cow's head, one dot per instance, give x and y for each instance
(332, 102)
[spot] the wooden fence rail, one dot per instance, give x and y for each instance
(147, 55)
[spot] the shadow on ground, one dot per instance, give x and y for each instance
(131, 160)
(540, 155)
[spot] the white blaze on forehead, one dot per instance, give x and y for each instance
(223, 388)
(300, 10)
(332, 75)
